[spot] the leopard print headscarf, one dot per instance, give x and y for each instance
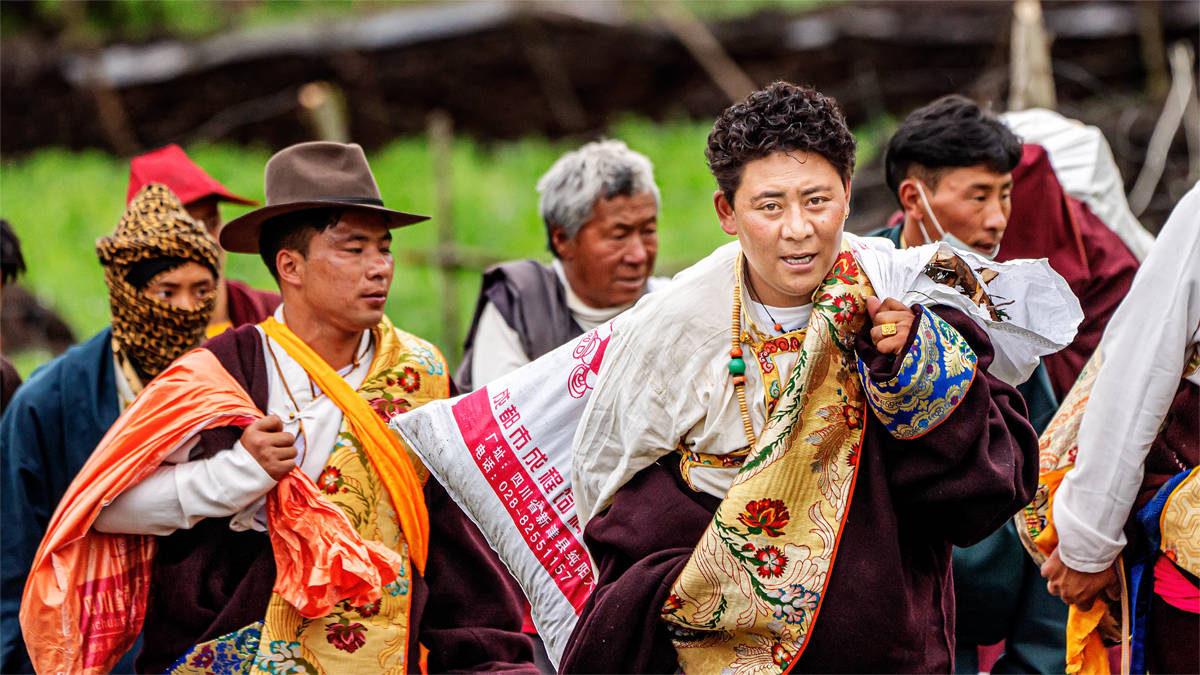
(150, 332)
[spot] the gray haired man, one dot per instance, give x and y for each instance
(600, 207)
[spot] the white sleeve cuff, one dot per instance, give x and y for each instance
(1081, 546)
(221, 485)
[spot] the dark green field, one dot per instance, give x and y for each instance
(59, 202)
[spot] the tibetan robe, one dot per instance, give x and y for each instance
(823, 547)
(215, 602)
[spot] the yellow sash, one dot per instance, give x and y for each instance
(1057, 447)
(383, 447)
(749, 595)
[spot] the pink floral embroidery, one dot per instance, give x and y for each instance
(385, 408)
(773, 561)
(346, 637)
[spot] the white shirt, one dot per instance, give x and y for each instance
(504, 351)
(675, 346)
(183, 491)
(665, 375)
(1143, 351)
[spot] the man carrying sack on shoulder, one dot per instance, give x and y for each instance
(309, 538)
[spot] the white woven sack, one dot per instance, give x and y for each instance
(503, 452)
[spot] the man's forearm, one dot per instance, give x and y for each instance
(177, 496)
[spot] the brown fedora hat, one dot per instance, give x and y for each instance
(312, 175)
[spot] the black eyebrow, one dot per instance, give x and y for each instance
(818, 188)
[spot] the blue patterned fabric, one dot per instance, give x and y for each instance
(933, 377)
(1141, 573)
(228, 654)
(47, 432)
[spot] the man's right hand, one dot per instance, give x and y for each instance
(271, 446)
(1079, 588)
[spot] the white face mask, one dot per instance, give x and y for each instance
(946, 236)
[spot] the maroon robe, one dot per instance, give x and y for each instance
(1048, 223)
(249, 305)
(889, 605)
(209, 581)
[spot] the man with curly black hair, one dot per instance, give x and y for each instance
(787, 402)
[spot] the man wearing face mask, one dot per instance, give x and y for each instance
(235, 303)
(161, 271)
(950, 165)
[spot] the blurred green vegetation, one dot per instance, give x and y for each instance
(60, 202)
(100, 22)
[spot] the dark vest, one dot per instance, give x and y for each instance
(532, 301)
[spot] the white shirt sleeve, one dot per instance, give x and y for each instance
(180, 493)
(1144, 351)
(498, 349)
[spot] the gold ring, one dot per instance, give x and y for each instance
(888, 329)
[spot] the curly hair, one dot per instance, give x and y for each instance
(783, 117)
(951, 132)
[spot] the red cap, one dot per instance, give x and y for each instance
(170, 166)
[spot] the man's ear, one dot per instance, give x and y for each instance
(724, 213)
(563, 245)
(290, 266)
(910, 200)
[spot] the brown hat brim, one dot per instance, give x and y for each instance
(241, 234)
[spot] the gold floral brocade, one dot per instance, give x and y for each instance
(405, 373)
(748, 596)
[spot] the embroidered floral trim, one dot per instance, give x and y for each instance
(330, 480)
(346, 636)
(767, 516)
(746, 599)
(230, 653)
(934, 376)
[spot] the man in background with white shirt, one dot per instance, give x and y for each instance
(1134, 491)
(600, 207)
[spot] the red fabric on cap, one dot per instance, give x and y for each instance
(171, 166)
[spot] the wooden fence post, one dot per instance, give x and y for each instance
(441, 139)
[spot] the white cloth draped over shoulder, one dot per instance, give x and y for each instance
(665, 376)
(532, 455)
(1084, 164)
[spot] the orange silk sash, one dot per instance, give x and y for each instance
(85, 598)
(382, 446)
